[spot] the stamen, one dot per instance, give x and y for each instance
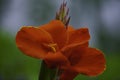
(52, 46)
(53, 49)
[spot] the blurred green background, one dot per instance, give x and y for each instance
(102, 17)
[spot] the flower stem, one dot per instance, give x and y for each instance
(46, 73)
(56, 75)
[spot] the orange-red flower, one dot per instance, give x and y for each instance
(65, 48)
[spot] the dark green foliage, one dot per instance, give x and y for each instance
(13, 64)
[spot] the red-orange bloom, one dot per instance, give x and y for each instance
(65, 48)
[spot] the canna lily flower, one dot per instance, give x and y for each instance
(63, 47)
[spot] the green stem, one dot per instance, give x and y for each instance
(46, 73)
(56, 75)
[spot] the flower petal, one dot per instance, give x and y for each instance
(70, 28)
(57, 30)
(29, 40)
(88, 61)
(56, 60)
(68, 75)
(67, 50)
(78, 37)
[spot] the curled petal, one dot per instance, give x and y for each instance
(29, 40)
(56, 60)
(88, 61)
(58, 32)
(68, 50)
(77, 37)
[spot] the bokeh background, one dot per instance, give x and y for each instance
(102, 17)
